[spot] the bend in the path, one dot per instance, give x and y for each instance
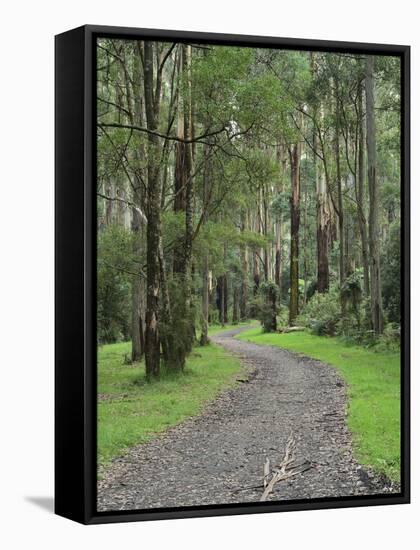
(218, 457)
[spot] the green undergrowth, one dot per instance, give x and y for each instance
(132, 411)
(373, 381)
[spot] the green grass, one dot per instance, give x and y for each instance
(373, 387)
(132, 411)
(213, 329)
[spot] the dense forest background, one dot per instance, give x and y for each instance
(243, 183)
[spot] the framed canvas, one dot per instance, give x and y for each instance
(232, 274)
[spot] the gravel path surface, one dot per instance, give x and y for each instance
(218, 457)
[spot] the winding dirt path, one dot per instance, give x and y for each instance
(218, 457)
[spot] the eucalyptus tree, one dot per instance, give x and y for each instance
(374, 235)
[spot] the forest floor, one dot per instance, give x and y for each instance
(218, 457)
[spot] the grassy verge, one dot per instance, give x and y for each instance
(132, 411)
(374, 392)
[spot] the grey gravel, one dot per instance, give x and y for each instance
(218, 457)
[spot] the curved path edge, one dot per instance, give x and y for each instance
(218, 457)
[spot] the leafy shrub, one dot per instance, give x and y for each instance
(322, 314)
(311, 289)
(391, 276)
(351, 299)
(264, 306)
(389, 341)
(178, 333)
(113, 284)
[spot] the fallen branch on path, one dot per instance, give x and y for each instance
(284, 471)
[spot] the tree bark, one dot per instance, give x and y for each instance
(189, 200)
(294, 233)
(279, 226)
(374, 234)
(204, 339)
(264, 231)
(220, 301)
(277, 272)
(272, 298)
(152, 351)
(323, 206)
(180, 172)
(235, 308)
(205, 279)
(305, 243)
(184, 188)
(225, 299)
(360, 197)
(135, 115)
(245, 267)
(137, 346)
(340, 212)
(323, 211)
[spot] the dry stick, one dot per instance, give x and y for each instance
(281, 473)
(266, 471)
(306, 465)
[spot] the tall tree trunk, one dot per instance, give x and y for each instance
(220, 301)
(138, 218)
(152, 351)
(245, 267)
(305, 243)
(180, 172)
(225, 299)
(189, 201)
(272, 301)
(360, 196)
(167, 335)
(294, 233)
(277, 271)
(184, 201)
(279, 225)
(264, 220)
(204, 339)
(374, 234)
(323, 202)
(235, 308)
(109, 205)
(205, 279)
(323, 231)
(136, 290)
(340, 212)
(256, 258)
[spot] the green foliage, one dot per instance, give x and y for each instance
(180, 331)
(264, 307)
(391, 275)
(346, 313)
(322, 313)
(255, 104)
(351, 298)
(280, 205)
(214, 237)
(373, 380)
(113, 284)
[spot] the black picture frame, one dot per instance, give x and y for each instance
(75, 274)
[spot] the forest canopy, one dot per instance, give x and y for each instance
(239, 183)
